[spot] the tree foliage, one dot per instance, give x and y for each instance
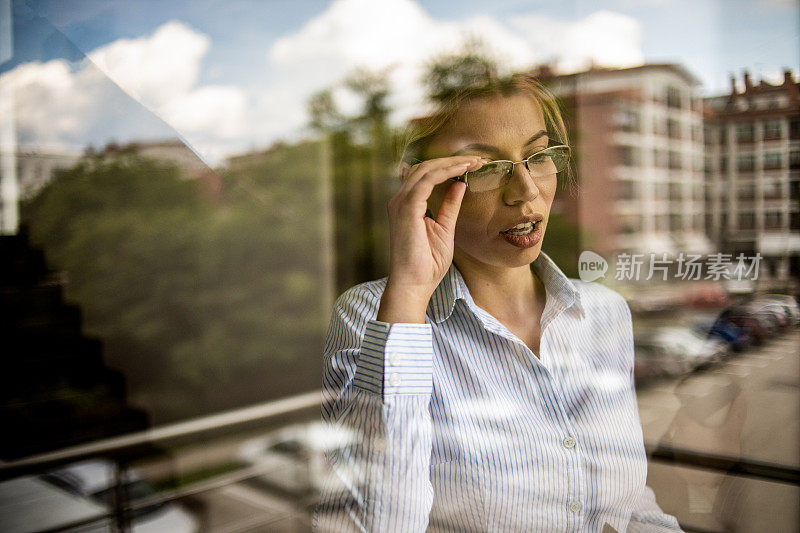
(199, 303)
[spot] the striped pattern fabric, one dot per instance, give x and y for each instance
(456, 425)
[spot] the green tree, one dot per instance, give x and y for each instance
(472, 66)
(203, 306)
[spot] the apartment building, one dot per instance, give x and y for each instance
(638, 139)
(752, 168)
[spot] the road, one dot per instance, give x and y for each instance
(747, 406)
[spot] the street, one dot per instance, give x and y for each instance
(745, 407)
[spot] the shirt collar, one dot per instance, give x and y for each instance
(557, 285)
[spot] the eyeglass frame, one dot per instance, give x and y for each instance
(464, 178)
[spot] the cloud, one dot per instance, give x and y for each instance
(399, 33)
(603, 38)
(72, 104)
(64, 105)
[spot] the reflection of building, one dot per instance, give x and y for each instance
(35, 169)
(753, 174)
(637, 134)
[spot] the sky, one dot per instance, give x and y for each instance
(231, 76)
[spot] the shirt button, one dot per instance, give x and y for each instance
(575, 506)
(393, 358)
(569, 442)
(394, 379)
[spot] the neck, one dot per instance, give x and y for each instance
(504, 292)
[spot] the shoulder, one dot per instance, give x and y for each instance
(597, 298)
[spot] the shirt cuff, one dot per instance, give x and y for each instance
(396, 359)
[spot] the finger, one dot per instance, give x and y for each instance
(451, 203)
(420, 170)
(422, 189)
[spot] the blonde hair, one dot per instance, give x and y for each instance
(420, 132)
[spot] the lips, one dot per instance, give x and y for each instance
(524, 221)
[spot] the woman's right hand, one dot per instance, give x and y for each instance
(421, 248)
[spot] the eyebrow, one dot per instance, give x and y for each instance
(494, 149)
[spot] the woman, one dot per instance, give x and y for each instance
(481, 389)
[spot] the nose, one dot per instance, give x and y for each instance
(521, 187)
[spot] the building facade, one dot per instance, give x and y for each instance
(638, 139)
(752, 169)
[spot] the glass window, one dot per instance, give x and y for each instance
(773, 129)
(628, 120)
(745, 162)
(745, 132)
(794, 159)
(747, 221)
(628, 155)
(772, 160)
(674, 97)
(627, 189)
(673, 129)
(773, 220)
(675, 160)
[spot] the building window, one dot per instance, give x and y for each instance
(773, 130)
(630, 224)
(794, 190)
(745, 132)
(673, 129)
(794, 159)
(773, 220)
(794, 128)
(746, 191)
(628, 156)
(773, 160)
(772, 189)
(709, 135)
(675, 160)
(675, 222)
(673, 97)
(723, 163)
(794, 221)
(628, 120)
(745, 162)
(674, 192)
(747, 221)
(627, 190)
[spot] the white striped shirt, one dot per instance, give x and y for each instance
(458, 426)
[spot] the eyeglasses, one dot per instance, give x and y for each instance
(496, 174)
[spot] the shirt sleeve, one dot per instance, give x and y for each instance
(646, 516)
(377, 384)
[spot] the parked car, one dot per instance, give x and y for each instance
(94, 480)
(737, 338)
(754, 324)
(782, 313)
(789, 303)
(293, 459)
(679, 349)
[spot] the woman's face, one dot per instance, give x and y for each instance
(495, 128)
